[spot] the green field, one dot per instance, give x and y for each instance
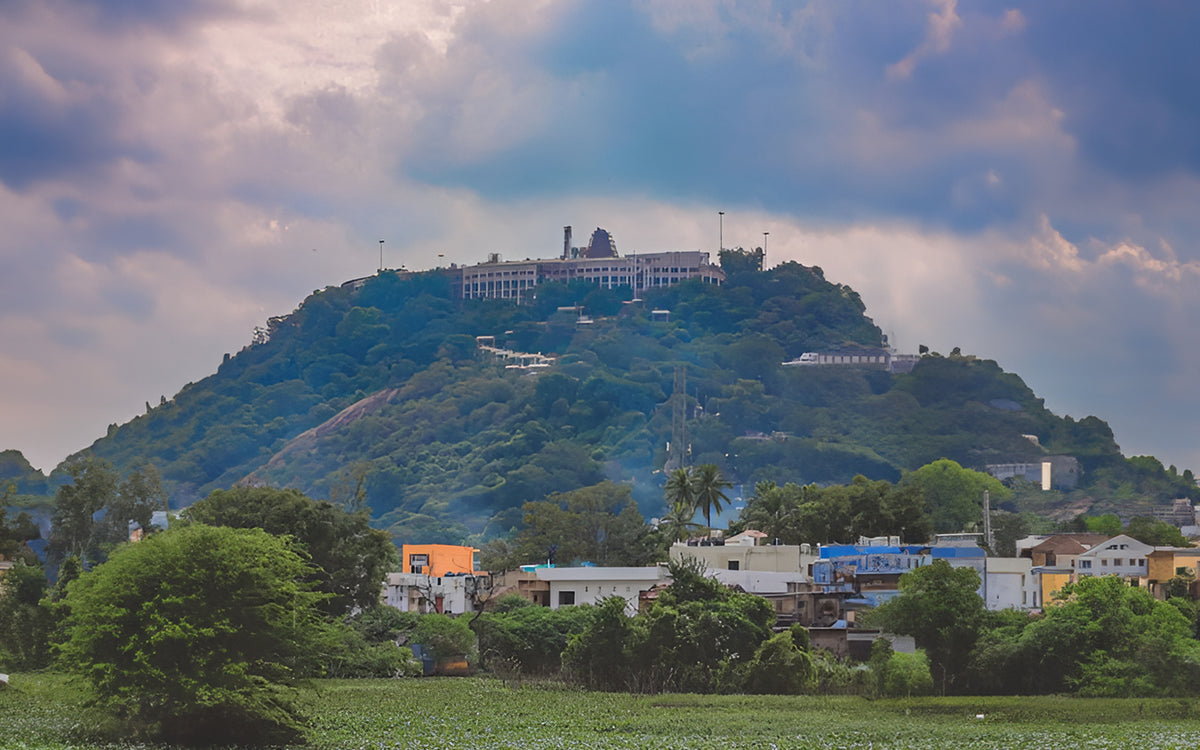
(44, 711)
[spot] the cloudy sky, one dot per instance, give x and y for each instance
(1010, 178)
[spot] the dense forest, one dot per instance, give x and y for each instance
(379, 397)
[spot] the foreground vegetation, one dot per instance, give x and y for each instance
(45, 711)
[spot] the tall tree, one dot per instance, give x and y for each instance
(954, 495)
(938, 606)
(352, 557)
(679, 492)
(599, 524)
(710, 488)
(93, 487)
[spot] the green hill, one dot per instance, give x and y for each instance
(379, 395)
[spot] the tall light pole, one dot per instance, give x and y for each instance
(721, 236)
(381, 256)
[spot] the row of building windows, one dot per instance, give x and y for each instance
(1118, 562)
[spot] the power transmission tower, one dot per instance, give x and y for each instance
(679, 447)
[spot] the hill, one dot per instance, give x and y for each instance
(380, 395)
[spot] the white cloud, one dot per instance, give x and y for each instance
(942, 24)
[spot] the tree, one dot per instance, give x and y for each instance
(93, 487)
(136, 499)
(1107, 638)
(352, 557)
(1108, 524)
(938, 606)
(446, 637)
(194, 635)
(680, 493)
(710, 488)
(598, 524)
(25, 622)
(781, 667)
(1155, 532)
(954, 495)
(770, 509)
(14, 534)
(907, 675)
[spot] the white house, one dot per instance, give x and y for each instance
(450, 595)
(759, 582)
(1008, 583)
(779, 558)
(1120, 556)
(592, 585)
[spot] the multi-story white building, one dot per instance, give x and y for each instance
(445, 594)
(596, 264)
(592, 585)
(1120, 556)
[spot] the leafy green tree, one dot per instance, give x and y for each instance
(699, 635)
(192, 636)
(954, 495)
(601, 657)
(1155, 532)
(13, 534)
(680, 492)
(136, 498)
(93, 487)
(938, 606)
(1007, 528)
(907, 675)
(599, 524)
(770, 510)
(781, 667)
(1108, 524)
(351, 557)
(26, 623)
(529, 638)
(446, 637)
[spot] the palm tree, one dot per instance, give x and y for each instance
(678, 523)
(770, 509)
(680, 495)
(709, 488)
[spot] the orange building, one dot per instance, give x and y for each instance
(438, 560)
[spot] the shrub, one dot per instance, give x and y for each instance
(194, 635)
(780, 667)
(907, 675)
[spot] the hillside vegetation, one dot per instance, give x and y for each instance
(379, 397)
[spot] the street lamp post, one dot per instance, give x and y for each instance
(721, 236)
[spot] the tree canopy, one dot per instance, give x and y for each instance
(599, 524)
(192, 636)
(939, 606)
(351, 558)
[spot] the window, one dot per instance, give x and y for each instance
(735, 565)
(1104, 563)
(566, 598)
(1085, 564)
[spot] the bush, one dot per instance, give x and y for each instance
(25, 622)
(530, 639)
(447, 638)
(780, 667)
(194, 636)
(907, 675)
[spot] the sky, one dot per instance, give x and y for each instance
(1017, 179)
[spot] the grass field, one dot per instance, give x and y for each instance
(45, 711)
